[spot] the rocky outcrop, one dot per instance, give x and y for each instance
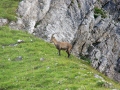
(97, 38)
(3, 22)
(102, 47)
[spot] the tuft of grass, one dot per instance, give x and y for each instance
(100, 83)
(98, 12)
(35, 65)
(8, 9)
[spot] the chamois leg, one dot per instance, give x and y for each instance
(68, 53)
(59, 52)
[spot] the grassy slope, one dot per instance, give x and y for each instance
(41, 68)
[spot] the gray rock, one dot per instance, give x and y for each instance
(19, 58)
(20, 41)
(3, 21)
(42, 59)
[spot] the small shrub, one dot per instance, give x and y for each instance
(98, 12)
(79, 5)
(86, 59)
(100, 83)
(72, 1)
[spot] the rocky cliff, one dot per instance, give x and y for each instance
(92, 26)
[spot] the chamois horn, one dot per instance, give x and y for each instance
(53, 34)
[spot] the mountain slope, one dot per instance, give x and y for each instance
(35, 65)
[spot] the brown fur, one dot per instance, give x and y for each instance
(61, 45)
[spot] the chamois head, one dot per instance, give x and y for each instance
(52, 38)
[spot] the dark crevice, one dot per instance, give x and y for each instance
(99, 63)
(96, 43)
(82, 49)
(117, 68)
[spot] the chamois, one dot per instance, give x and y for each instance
(61, 45)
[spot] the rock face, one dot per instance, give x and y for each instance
(97, 38)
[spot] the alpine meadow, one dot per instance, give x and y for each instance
(30, 63)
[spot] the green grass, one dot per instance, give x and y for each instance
(8, 9)
(40, 67)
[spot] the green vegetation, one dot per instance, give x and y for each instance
(72, 1)
(79, 5)
(86, 59)
(8, 9)
(35, 65)
(98, 12)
